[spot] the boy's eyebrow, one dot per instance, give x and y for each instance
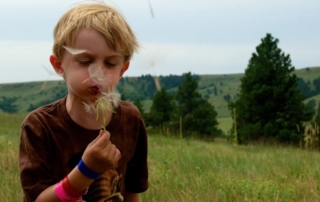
(74, 51)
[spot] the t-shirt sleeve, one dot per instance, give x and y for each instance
(137, 170)
(35, 173)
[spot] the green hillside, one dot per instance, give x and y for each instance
(31, 94)
(308, 74)
(216, 88)
(316, 98)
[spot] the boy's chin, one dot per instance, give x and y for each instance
(92, 98)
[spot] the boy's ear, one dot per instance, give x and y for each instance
(56, 64)
(124, 68)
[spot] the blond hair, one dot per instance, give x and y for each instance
(101, 17)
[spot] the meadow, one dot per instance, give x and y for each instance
(193, 170)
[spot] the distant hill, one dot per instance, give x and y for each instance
(216, 88)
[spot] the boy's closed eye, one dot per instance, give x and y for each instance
(85, 62)
(110, 63)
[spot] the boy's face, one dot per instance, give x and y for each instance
(93, 67)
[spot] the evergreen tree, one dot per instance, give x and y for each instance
(204, 118)
(316, 84)
(123, 97)
(161, 110)
(269, 104)
(139, 106)
(317, 119)
(198, 116)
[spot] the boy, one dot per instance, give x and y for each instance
(64, 155)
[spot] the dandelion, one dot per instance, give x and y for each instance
(107, 102)
(109, 98)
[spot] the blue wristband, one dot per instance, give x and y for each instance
(87, 171)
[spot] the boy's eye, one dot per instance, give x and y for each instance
(110, 64)
(85, 62)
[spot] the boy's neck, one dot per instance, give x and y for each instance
(78, 114)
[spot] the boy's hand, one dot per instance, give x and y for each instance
(101, 155)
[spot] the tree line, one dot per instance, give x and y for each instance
(185, 113)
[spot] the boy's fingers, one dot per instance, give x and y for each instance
(117, 155)
(103, 140)
(97, 138)
(101, 132)
(105, 135)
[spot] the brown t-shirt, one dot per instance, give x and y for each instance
(52, 144)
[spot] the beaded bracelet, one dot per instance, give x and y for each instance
(87, 171)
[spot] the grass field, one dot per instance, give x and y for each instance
(225, 124)
(192, 170)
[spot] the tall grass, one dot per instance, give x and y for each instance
(191, 170)
(199, 171)
(10, 189)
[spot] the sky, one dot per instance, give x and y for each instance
(199, 36)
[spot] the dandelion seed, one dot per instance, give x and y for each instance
(89, 107)
(98, 75)
(150, 8)
(74, 51)
(50, 74)
(86, 80)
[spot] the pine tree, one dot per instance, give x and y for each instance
(161, 110)
(187, 95)
(123, 97)
(198, 115)
(139, 106)
(317, 118)
(269, 104)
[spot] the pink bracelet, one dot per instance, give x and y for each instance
(69, 190)
(63, 196)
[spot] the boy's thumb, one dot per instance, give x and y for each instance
(97, 138)
(105, 135)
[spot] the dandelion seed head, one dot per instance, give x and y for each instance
(108, 99)
(113, 97)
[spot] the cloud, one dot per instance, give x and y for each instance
(24, 60)
(165, 59)
(204, 37)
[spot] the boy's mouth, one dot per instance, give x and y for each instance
(95, 89)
